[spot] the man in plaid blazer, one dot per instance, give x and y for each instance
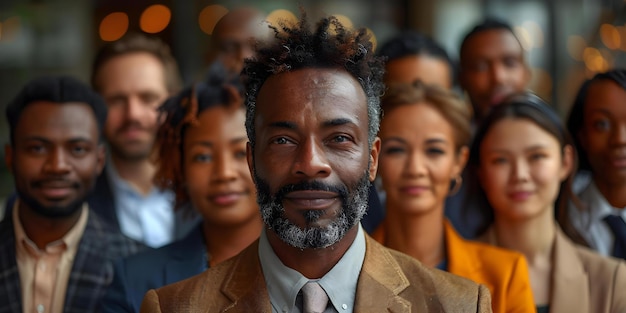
(55, 254)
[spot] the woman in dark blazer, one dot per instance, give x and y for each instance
(525, 159)
(202, 157)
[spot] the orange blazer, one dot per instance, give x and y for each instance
(504, 272)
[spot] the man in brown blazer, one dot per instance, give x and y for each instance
(313, 113)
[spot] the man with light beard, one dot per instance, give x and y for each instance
(55, 253)
(313, 113)
(135, 75)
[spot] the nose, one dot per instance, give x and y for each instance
(618, 135)
(224, 168)
(57, 162)
(498, 73)
(134, 108)
(311, 160)
(521, 171)
(415, 165)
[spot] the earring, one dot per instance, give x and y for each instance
(458, 181)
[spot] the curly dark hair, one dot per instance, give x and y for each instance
(329, 45)
(576, 118)
(181, 111)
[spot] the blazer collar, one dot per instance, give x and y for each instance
(245, 285)
(461, 261)
(187, 257)
(382, 278)
(570, 284)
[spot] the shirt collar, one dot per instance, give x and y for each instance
(69, 242)
(598, 206)
(284, 283)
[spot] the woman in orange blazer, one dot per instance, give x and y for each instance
(424, 132)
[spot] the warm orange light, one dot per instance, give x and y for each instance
(524, 36)
(373, 39)
(209, 16)
(610, 36)
(575, 46)
(345, 21)
(276, 17)
(155, 18)
(113, 26)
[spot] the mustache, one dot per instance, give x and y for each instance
(341, 190)
(131, 125)
(55, 182)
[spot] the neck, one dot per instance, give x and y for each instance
(420, 236)
(615, 194)
(43, 230)
(533, 237)
(226, 241)
(311, 263)
(138, 174)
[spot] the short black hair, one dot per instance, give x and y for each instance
(57, 89)
(413, 43)
(329, 45)
(489, 23)
(576, 116)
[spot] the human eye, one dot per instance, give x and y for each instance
(394, 150)
(202, 158)
(240, 154)
(281, 140)
(79, 149)
(480, 66)
(36, 148)
(341, 138)
(538, 156)
(498, 160)
(511, 61)
(434, 151)
(601, 124)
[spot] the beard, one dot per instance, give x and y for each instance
(354, 206)
(51, 211)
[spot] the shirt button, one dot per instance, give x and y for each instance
(40, 308)
(344, 306)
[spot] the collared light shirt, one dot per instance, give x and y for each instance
(589, 221)
(284, 283)
(146, 218)
(44, 273)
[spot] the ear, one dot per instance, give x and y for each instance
(461, 161)
(8, 157)
(374, 153)
(568, 162)
(100, 158)
(250, 158)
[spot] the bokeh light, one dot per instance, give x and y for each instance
(276, 17)
(610, 36)
(575, 46)
(373, 38)
(155, 18)
(524, 37)
(10, 28)
(113, 26)
(209, 16)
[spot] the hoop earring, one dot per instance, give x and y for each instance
(458, 181)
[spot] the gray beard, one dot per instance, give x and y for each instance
(354, 207)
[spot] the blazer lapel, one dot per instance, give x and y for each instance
(570, 284)
(461, 261)
(245, 286)
(10, 286)
(382, 278)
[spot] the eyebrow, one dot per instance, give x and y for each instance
(531, 148)
(47, 140)
(602, 110)
(338, 122)
(329, 123)
(209, 144)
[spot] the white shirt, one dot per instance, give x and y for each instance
(284, 283)
(148, 219)
(589, 221)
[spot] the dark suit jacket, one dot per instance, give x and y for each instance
(137, 274)
(92, 270)
(389, 282)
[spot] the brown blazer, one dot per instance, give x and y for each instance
(389, 282)
(582, 280)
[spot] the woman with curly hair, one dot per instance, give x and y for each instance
(202, 157)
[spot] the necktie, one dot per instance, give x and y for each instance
(618, 227)
(314, 298)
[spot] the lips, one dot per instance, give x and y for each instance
(618, 161)
(311, 199)
(226, 198)
(414, 190)
(56, 189)
(519, 196)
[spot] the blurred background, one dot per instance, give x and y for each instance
(565, 40)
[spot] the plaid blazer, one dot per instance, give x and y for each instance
(91, 274)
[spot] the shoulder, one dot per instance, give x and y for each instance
(494, 257)
(454, 293)
(112, 242)
(601, 266)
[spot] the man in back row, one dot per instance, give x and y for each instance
(135, 75)
(55, 253)
(313, 113)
